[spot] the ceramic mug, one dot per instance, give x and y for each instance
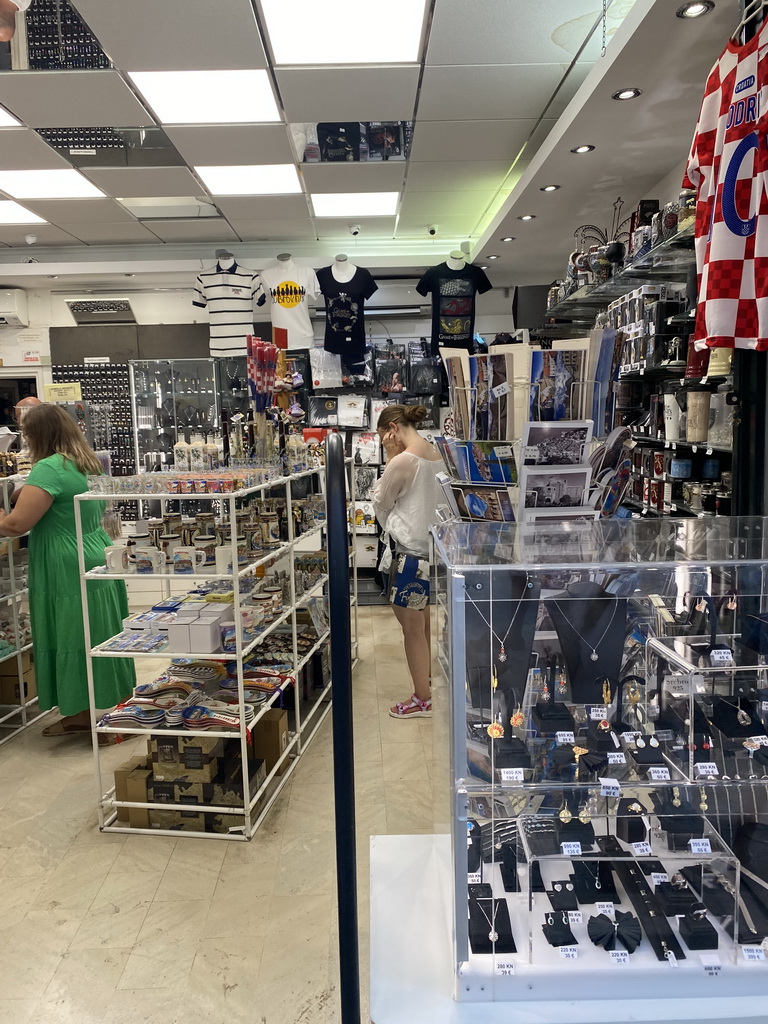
(224, 560)
(148, 559)
(116, 559)
(185, 559)
(168, 543)
(207, 544)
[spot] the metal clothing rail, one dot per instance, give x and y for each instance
(343, 741)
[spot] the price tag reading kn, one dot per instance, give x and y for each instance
(505, 968)
(700, 846)
(569, 952)
(500, 389)
(511, 774)
(658, 774)
(609, 787)
(503, 451)
(530, 453)
(474, 878)
(606, 908)
(598, 712)
(642, 849)
(658, 877)
(617, 757)
(707, 768)
(753, 953)
(619, 956)
(575, 917)
(571, 849)
(564, 737)
(721, 656)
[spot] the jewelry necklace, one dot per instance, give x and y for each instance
(742, 716)
(493, 935)
(502, 651)
(594, 656)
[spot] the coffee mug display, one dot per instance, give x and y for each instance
(116, 558)
(186, 559)
(148, 559)
(207, 544)
(224, 560)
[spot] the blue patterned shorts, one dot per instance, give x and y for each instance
(409, 582)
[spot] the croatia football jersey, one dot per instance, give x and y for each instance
(728, 166)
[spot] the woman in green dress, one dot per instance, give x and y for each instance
(62, 460)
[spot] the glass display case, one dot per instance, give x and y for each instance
(601, 689)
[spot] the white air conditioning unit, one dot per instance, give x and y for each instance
(13, 308)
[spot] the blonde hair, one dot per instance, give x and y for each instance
(404, 414)
(48, 430)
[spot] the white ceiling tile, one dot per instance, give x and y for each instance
(206, 229)
(498, 91)
(457, 175)
(132, 182)
(79, 211)
(370, 228)
(47, 234)
(214, 145)
(470, 140)
(253, 208)
(24, 150)
(573, 82)
(176, 35)
(122, 233)
(72, 99)
(449, 226)
(386, 176)
(431, 205)
(279, 230)
(349, 94)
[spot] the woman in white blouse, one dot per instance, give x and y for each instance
(405, 500)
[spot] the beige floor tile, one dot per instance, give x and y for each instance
(311, 809)
(17, 898)
(173, 923)
(25, 971)
(17, 1011)
(144, 854)
(231, 914)
(225, 974)
(157, 1006)
(306, 865)
(46, 931)
(192, 871)
(82, 987)
(158, 964)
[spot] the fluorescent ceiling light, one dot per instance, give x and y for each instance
(355, 204)
(12, 213)
(8, 120)
(208, 97)
(64, 184)
(182, 207)
(344, 31)
(251, 180)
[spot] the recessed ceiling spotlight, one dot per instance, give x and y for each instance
(485, 267)
(582, 149)
(695, 10)
(528, 216)
(627, 94)
(549, 188)
(507, 238)
(492, 257)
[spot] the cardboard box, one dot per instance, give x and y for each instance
(227, 789)
(179, 792)
(177, 821)
(187, 758)
(137, 788)
(11, 688)
(270, 738)
(205, 635)
(223, 822)
(122, 773)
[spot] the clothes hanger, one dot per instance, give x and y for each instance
(751, 8)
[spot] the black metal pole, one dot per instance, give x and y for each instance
(343, 742)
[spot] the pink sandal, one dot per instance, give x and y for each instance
(415, 708)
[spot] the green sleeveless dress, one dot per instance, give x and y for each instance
(54, 597)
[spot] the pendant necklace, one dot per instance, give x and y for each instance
(742, 717)
(501, 641)
(594, 656)
(493, 935)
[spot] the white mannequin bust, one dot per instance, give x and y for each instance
(343, 271)
(283, 257)
(456, 260)
(225, 259)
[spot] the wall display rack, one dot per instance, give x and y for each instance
(604, 724)
(228, 752)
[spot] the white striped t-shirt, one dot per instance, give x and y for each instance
(231, 297)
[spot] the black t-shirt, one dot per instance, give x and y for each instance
(344, 308)
(453, 302)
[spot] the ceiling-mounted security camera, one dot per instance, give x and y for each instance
(432, 229)
(354, 230)
(30, 239)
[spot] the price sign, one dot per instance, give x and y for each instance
(609, 787)
(707, 768)
(664, 735)
(571, 849)
(474, 878)
(597, 712)
(511, 774)
(721, 656)
(761, 740)
(711, 964)
(569, 952)
(753, 953)
(700, 846)
(630, 737)
(530, 453)
(575, 917)
(642, 849)
(500, 389)
(617, 757)
(564, 737)
(659, 774)
(619, 956)
(658, 877)
(505, 968)
(504, 451)
(606, 908)
(764, 705)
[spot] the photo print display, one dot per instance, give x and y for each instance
(366, 448)
(557, 443)
(472, 502)
(366, 478)
(557, 385)
(554, 487)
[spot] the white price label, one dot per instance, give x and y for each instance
(503, 451)
(761, 740)
(642, 849)
(630, 737)
(511, 774)
(764, 705)
(571, 849)
(721, 656)
(753, 953)
(500, 389)
(575, 917)
(619, 956)
(707, 768)
(597, 713)
(658, 774)
(505, 968)
(658, 877)
(569, 953)
(711, 964)
(617, 757)
(474, 878)
(609, 787)
(606, 908)
(564, 737)
(530, 453)
(700, 846)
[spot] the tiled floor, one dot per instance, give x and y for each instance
(107, 929)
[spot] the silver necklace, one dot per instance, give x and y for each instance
(594, 656)
(493, 935)
(502, 650)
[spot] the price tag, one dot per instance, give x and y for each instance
(571, 849)
(630, 737)
(664, 735)
(753, 953)
(700, 846)
(721, 656)
(608, 909)
(500, 389)
(530, 453)
(569, 953)
(505, 968)
(707, 768)
(619, 956)
(598, 713)
(564, 737)
(764, 705)
(619, 757)
(511, 774)
(658, 774)
(474, 878)
(658, 877)
(609, 787)
(762, 740)
(575, 917)
(642, 849)
(504, 451)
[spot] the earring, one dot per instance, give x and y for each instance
(606, 692)
(517, 718)
(557, 887)
(495, 730)
(550, 919)
(676, 801)
(653, 741)
(584, 816)
(703, 805)
(545, 695)
(565, 815)
(640, 742)
(561, 687)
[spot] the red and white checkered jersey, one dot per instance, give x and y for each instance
(728, 165)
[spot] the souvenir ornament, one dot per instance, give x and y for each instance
(495, 730)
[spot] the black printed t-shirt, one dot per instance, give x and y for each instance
(453, 302)
(344, 309)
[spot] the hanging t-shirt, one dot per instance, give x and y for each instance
(453, 302)
(344, 310)
(291, 288)
(728, 165)
(230, 297)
